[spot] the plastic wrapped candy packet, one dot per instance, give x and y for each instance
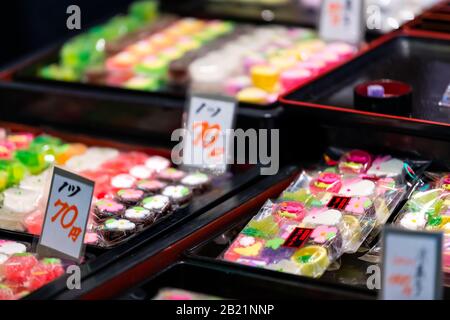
(289, 237)
(22, 273)
(393, 178)
(428, 208)
(178, 294)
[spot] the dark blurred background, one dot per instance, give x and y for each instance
(28, 25)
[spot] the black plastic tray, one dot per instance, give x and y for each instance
(224, 188)
(228, 283)
(423, 62)
(435, 20)
(116, 270)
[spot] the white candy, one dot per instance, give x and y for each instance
(12, 247)
(20, 200)
(330, 218)
(413, 221)
(141, 172)
(37, 182)
(123, 181)
(157, 163)
(390, 168)
(361, 188)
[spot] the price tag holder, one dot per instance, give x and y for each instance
(342, 20)
(412, 265)
(206, 144)
(66, 216)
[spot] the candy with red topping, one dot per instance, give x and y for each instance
(326, 182)
(172, 175)
(356, 161)
(151, 186)
(107, 208)
(130, 196)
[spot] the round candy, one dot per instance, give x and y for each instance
(326, 182)
(265, 77)
(157, 163)
(291, 210)
(141, 172)
(157, 203)
(312, 261)
(356, 161)
(130, 196)
(178, 194)
(139, 215)
(172, 174)
(151, 186)
(123, 181)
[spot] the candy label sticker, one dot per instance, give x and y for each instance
(338, 202)
(66, 217)
(342, 20)
(412, 268)
(209, 120)
(298, 238)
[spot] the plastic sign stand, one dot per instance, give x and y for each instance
(66, 216)
(412, 265)
(206, 144)
(342, 20)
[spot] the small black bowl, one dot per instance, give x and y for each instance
(384, 96)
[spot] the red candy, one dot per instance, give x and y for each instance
(44, 272)
(18, 267)
(291, 210)
(34, 222)
(6, 293)
(326, 182)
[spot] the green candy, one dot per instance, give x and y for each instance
(14, 171)
(267, 227)
(45, 140)
(275, 243)
(435, 221)
(144, 10)
(34, 161)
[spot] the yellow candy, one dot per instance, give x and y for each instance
(252, 95)
(251, 251)
(312, 261)
(265, 77)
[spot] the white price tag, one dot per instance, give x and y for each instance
(67, 214)
(209, 120)
(412, 268)
(342, 20)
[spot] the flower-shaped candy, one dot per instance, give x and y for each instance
(323, 234)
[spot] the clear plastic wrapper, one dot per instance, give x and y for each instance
(428, 208)
(285, 237)
(341, 203)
